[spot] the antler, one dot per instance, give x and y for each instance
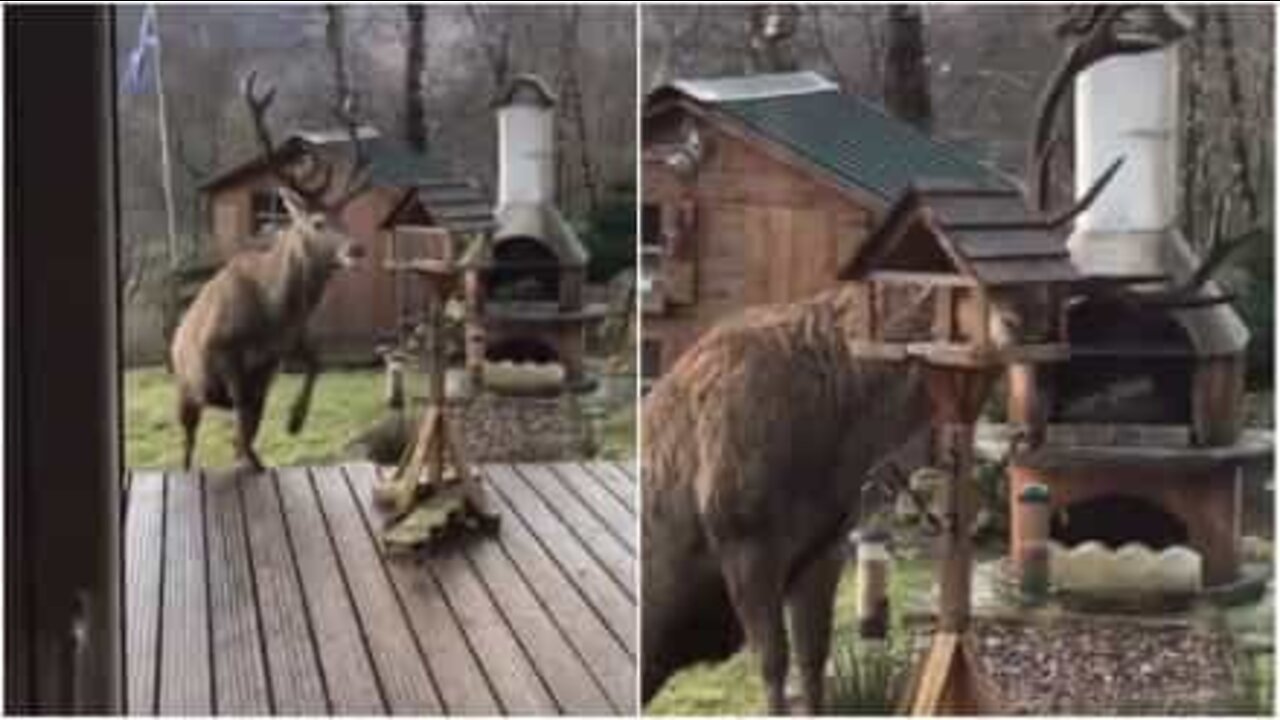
(313, 180)
(359, 177)
(1099, 32)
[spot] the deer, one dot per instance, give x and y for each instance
(759, 440)
(253, 313)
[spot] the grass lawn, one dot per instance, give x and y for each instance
(345, 402)
(733, 687)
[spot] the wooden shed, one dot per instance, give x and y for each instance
(359, 309)
(758, 189)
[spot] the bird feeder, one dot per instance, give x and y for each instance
(434, 490)
(969, 283)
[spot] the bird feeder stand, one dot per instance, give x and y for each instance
(968, 283)
(434, 481)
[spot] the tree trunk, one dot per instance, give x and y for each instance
(335, 32)
(906, 77)
(572, 111)
(1193, 134)
(415, 110)
(1239, 135)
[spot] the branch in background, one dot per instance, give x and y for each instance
(828, 57)
(495, 42)
(1235, 97)
(1193, 137)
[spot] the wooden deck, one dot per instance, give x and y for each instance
(268, 594)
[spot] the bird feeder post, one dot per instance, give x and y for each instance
(451, 493)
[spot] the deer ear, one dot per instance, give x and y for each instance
(292, 202)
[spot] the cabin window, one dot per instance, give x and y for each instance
(269, 212)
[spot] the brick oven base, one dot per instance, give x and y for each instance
(1207, 501)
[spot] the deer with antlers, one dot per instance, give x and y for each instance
(253, 313)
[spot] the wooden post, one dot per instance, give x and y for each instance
(1033, 545)
(956, 395)
(950, 680)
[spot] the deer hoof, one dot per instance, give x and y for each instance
(251, 465)
(296, 419)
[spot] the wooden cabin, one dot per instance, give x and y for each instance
(359, 309)
(758, 189)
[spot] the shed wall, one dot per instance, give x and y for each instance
(765, 232)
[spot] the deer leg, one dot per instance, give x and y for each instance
(305, 353)
(755, 580)
(189, 416)
(248, 394)
(811, 603)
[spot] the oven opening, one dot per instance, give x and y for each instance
(1115, 520)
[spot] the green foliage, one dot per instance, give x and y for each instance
(344, 404)
(1256, 304)
(1253, 685)
(870, 677)
(610, 233)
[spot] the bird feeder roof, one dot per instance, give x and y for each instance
(942, 232)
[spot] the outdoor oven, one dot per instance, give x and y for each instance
(525, 283)
(1142, 439)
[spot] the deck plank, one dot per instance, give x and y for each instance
(579, 480)
(269, 593)
(559, 665)
(464, 687)
(144, 557)
(587, 574)
(297, 683)
(609, 657)
(628, 470)
(353, 687)
(592, 535)
(616, 481)
(186, 681)
(239, 671)
(405, 681)
(514, 678)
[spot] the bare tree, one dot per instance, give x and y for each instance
(571, 106)
(493, 31)
(415, 110)
(1235, 99)
(906, 78)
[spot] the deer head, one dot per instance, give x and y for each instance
(306, 186)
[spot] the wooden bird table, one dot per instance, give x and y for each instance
(434, 490)
(950, 680)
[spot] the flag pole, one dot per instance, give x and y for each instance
(166, 168)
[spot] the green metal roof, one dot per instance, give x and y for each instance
(392, 163)
(855, 142)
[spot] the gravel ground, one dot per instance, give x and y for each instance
(1104, 666)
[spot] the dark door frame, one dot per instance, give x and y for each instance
(63, 623)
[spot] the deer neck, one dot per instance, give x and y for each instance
(299, 281)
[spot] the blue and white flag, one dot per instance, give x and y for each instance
(135, 79)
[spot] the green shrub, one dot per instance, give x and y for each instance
(869, 678)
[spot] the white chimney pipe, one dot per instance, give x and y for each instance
(1127, 106)
(526, 146)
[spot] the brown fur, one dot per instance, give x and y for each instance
(247, 318)
(755, 447)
